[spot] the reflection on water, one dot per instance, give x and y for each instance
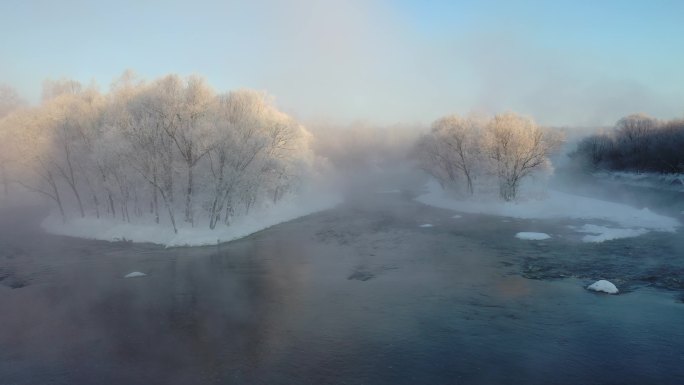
(357, 295)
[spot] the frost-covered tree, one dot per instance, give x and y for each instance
(518, 147)
(256, 145)
(508, 147)
(54, 88)
(10, 100)
(155, 151)
(456, 141)
(30, 134)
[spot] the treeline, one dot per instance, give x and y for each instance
(637, 143)
(473, 154)
(171, 150)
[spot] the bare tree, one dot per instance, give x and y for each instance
(457, 139)
(10, 101)
(637, 143)
(31, 135)
(184, 112)
(121, 153)
(54, 88)
(518, 148)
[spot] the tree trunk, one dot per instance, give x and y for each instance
(96, 202)
(469, 180)
(5, 179)
(188, 197)
(111, 204)
(58, 199)
(155, 205)
(214, 215)
(78, 198)
(172, 218)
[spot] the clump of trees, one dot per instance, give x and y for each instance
(171, 150)
(465, 152)
(637, 143)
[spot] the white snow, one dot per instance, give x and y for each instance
(627, 221)
(603, 286)
(425, 225)
(532, 236)
(603, 233)
(116, 230)
(135, 274)
(457, 216)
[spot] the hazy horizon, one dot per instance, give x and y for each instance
(564, 63)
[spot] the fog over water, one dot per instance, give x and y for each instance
(358, 294)
(341, 192)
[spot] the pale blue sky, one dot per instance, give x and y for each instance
(564, 62)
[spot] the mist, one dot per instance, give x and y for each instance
(356, 60)
(341, 191)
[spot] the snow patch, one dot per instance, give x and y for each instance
(532, 236)
(115, 230)
(424, 225)
(135, 274)
(457, 216)
(603, 286)
(629, 221)
(603, 233)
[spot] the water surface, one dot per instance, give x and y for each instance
(356, 295)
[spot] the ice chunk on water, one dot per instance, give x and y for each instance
(602, 233)
(532, 236)
(135, 274)
(603, 286)
(425, 225)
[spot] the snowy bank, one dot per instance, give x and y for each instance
(532, 236)
(115, 230)
(628, 221)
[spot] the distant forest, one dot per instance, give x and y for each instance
(637, 143)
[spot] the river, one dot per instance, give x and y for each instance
(360, 294)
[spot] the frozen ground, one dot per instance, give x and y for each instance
(626, 221)
(115, 230)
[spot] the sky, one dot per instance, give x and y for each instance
(566, 63)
